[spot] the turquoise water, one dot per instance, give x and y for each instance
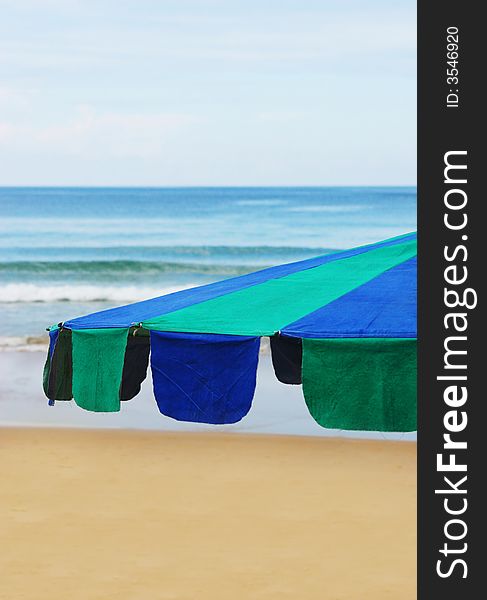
(69, 251)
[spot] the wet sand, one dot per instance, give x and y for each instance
(140, 515)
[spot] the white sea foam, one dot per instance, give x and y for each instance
(23, 343)
(30, 292)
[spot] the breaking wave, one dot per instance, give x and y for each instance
(33, 293)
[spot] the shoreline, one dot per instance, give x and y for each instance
(196, 434)
(207, 433)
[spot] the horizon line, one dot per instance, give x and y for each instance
(134, 186)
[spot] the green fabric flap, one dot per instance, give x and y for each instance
(361, 384)
(98, 356)
(266, 308)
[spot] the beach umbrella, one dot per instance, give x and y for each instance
(343, 325)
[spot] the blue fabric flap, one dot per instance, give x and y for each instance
(204, 378)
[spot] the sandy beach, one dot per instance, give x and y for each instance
(156, 515)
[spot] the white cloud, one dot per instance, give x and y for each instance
(207, 91)
(164, 35)
(15, 98)
(281, 116)
(93, 133)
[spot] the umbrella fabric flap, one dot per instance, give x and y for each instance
(204, 378)
(361, 384)
(135, 365)
(98, 359)
(287, 356)
(60, 375)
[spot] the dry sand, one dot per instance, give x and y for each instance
(125, 515)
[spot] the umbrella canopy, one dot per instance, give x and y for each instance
(342, 324)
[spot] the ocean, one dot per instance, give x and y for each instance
(65, 252)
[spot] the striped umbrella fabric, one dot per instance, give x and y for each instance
(342, 324)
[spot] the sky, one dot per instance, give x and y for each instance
(208, 92)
